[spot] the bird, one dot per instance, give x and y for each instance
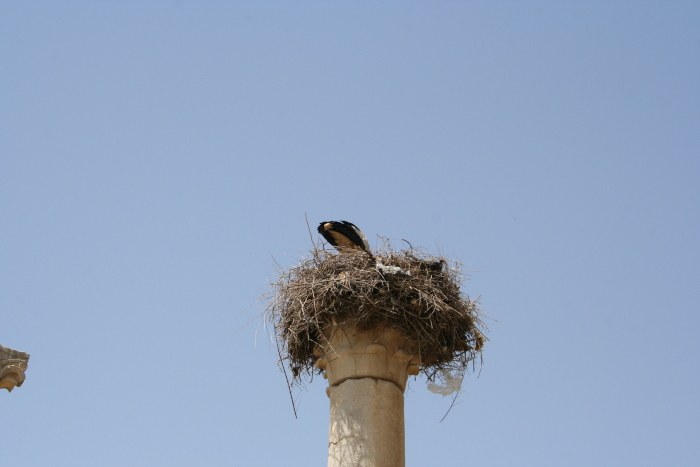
(344, 236)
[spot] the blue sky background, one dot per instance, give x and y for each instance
(158, 157)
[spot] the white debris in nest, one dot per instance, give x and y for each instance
(392, 269)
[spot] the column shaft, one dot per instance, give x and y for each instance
(366, 424)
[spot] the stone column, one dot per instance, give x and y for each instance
(367, 373)
(13, 363)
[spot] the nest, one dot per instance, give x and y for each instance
(413, 292)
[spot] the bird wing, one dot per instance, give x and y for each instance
(356, 236)
(343, 234)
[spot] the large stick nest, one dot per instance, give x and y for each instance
(422, 300)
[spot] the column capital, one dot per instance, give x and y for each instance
(13, 364)
(380, 353)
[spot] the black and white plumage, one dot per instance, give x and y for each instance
(344, 236)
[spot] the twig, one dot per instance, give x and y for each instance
(451, 405)
(289, 386)
(311, 236)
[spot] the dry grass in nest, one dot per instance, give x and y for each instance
(427, 306)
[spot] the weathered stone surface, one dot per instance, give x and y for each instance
(366, 424)
(367, 373)
(13, 364)
(380, 353)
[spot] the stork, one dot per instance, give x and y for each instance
(344, 236)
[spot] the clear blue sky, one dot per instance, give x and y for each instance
(158, 157)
